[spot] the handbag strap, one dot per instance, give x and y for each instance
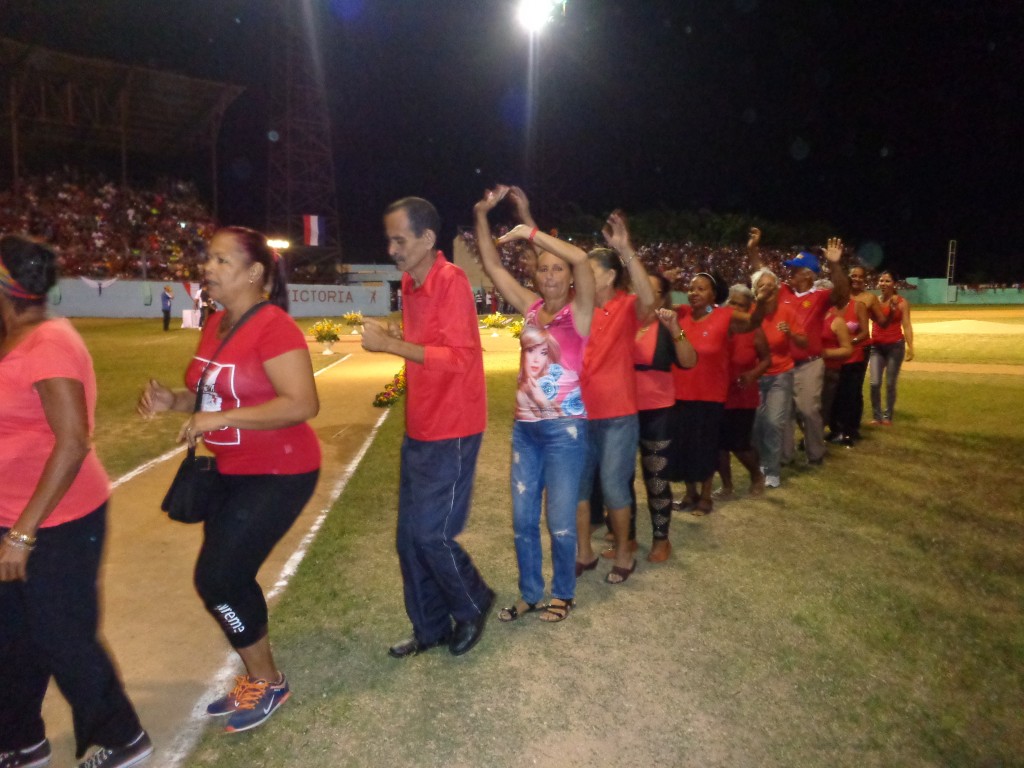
(241, 321)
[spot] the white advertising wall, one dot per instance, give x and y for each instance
(79, 297)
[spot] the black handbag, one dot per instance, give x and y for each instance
(198, 490)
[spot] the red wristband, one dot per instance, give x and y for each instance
(533, 233)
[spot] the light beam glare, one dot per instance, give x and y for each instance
(535, 14)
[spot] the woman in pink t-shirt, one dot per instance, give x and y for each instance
(53, 515)
(256, 393)
(549, 435)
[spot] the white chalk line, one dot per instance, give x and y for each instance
(186, 740)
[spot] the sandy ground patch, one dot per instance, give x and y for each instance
(969, 328)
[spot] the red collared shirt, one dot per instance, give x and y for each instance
(809, 308)
(446, 394)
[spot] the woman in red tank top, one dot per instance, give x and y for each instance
(890, 345)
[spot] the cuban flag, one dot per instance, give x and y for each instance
(314, 230)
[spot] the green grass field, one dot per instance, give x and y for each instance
(867, 614)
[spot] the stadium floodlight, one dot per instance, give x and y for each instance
(279, 245)
(535, 14)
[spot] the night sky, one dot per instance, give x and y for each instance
(897, 122)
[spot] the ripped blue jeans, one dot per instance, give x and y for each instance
(546, 455)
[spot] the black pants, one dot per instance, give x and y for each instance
(696, 442)
(48, 626)
(167, 319)
(237, 539)
(848, 408)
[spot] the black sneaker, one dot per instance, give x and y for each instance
(135, 751)
(30, 757)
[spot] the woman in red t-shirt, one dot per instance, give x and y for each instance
(660, 345)
(701, 391)
(890, 346)
(837, 349)
(609, 393)
(748, 360)
(257, 393)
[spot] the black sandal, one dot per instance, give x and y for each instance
(553, 613)
(512, 612)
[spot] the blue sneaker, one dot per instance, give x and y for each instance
(255, 703)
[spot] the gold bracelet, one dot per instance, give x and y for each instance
(20, 540)
(681, 335)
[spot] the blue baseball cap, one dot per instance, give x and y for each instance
(805, 260)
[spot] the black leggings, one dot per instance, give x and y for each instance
(656, 429)
(237, 539)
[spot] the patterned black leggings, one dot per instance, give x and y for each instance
(656, 429)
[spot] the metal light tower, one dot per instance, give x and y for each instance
(301, 178)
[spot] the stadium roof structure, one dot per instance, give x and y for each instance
(54, 98)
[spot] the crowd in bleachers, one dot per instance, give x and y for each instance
(104, 230)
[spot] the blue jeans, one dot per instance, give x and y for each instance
(772, 418)
(612, 447)
(546, 455)
(438, 577)
(887, 358)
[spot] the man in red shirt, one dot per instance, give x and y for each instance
(445, 417)
(810, 305)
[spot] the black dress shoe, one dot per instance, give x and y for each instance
(412, 646)
(468, 633)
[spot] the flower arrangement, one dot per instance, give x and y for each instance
(324, 331)
(394, 390)
(496, 320)
(516, 327)
(352, 318)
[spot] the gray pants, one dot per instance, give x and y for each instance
(887, 358)
(807, 382)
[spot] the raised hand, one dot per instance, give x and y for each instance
(754, 238)
(765, 291)
(522, 204)
(518, 232)
(670, 320)
(490, 199)
(616, 232)
(834, 249)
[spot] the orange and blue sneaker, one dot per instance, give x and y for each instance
(254, 703)
(225, 705)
